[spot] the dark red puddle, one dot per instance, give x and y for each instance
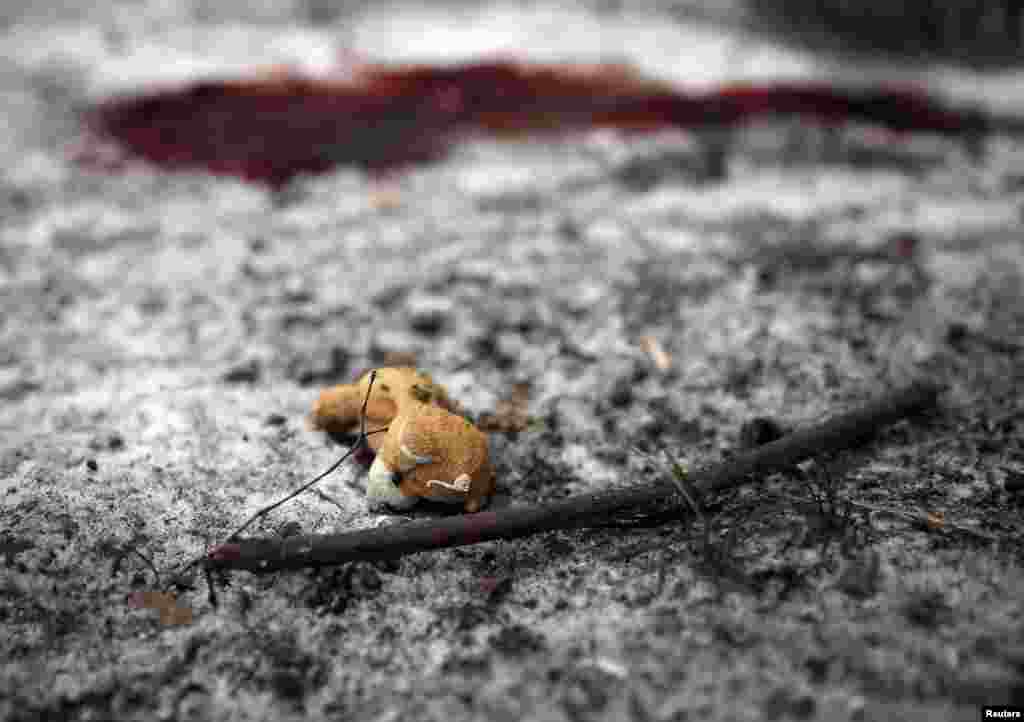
(274, 127)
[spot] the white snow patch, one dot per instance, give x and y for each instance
(581, 460)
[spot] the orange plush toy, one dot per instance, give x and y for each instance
(427, 452)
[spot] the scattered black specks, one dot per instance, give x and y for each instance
(275, 420)
(322, 367)
(759, 431)
(428, 314)
(383, 648)
(831, 376)
(741, 376)
(784, 703)
(17, 199)
(714, 160)
(516, 640)
(817, 668)
(243, 602)
(588, 690)
(569, 230)
(292, 320)
(665, 421)
(428, 321)
(621, 394)
(612, 454)
(512, 202)
(291, 672)
(247, 372)
(640, 374)
(465, 665)
(956, 335)
(11, 546)
(470, 616)
(862, 576)
(111, 442)
(387, 566)
(366, 578)
(496, 588)
(387, 298)
(427, 324)
(928, 610)
(298, 294)
(19, 389)
(556, 547)
(152, 304)
(904, 244)
(331, 589)
(989, 446)
(488, 348)
(644, 173)
(288, 684)
(734, 635)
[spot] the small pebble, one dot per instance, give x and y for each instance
(91, 465)
(760, 431)
(247, 372)
(428, 315)
(324, 366)
(956, 335)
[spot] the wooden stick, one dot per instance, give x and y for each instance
(390, 542)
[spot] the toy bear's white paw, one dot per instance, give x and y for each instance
(382, 489)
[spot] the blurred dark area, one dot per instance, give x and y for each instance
(982, 34)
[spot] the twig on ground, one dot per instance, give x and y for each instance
(922, 519)
(840, 432)
(360, 442)
(127, 551)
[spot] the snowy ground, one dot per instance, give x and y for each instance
(163, 337)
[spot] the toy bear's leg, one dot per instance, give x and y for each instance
(480, 493)
(482, 490)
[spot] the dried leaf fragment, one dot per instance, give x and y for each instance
(171, 613)
(510, 414)
(653, 348)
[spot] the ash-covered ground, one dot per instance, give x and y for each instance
(164, 336)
